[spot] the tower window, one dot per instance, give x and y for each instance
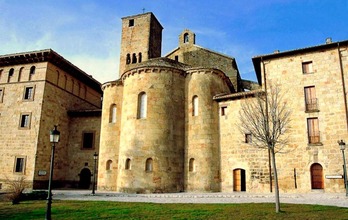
(32, 72)
(19, 165)
(186, 38)
(140, 58)
(24, 120)
(131, 23)
(128, 59)
(10, 74)
(28, 93)
(134, 58)
(176, 58)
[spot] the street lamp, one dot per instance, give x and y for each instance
(95, 157)
(54, 138)
(343, 147)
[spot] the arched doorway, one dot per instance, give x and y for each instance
(239, 180)
(85, 178)
(317, 176)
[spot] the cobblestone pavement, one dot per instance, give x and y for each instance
(320, 198)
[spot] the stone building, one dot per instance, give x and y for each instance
(38, 90)
(170, 123)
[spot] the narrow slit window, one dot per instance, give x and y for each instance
(142, 105)
(195, 105)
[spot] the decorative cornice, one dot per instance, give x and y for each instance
(49, 55)
(112, 83)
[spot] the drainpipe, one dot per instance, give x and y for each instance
(343, 83)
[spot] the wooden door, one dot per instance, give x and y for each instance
(239, 180)
(317, 176)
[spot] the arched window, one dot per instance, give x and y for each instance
(72, 86)
(192, 165)
(148, 165)
(65, 81)
(20, 74)
(78, 89)
(142, 105)
(113, 111)
(127, 166)
(10, 74)
(57, 78)
(186, 38)
(134, 58)
(140, 58)
(195, 105)
(32, 72)
(128, 59)
(108, 165)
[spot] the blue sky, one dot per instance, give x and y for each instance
(87, 32)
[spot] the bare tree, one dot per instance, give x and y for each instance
(266, 117)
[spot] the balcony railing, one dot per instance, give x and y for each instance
(312, 105)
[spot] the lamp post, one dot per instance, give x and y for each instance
(343, 147)
(54, 138)
(95, 157)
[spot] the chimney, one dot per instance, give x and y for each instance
(276, 51)
(328, 40)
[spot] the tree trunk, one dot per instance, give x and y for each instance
(276, 187)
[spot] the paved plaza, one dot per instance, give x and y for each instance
(320, 198)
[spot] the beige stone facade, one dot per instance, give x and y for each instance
(191, 133)
(170, 124)
(38, 89)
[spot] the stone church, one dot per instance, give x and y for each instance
(170, 123)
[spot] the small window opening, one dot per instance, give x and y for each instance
(128, 164)
(134, 58)
(32, 72)
(25, 121)
(88, 140)
(28, 93)
(19, 165)
(148, 165)
(223, 110)
(195, 105)
(191, 165)
(128, 59)
(307, 67)
(140, 58)
(248, 138)
(108, 164)
(131, 23)
(176, 58)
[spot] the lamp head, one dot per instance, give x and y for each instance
(95, 155)
(54, 135)
(342, 145)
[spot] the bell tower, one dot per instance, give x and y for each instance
(141, 40)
